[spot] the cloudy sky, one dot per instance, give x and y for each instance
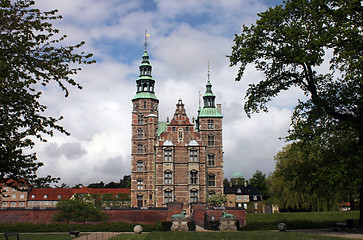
(185, 36)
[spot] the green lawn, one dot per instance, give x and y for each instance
(41, 236)
(245, 235)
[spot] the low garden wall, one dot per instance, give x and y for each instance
(199, 213)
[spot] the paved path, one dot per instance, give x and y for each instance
(98, 236)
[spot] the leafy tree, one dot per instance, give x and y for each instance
(258, 180)
(125, 182)
(217, 200)
(316, 46)
(303, 180)
(31, 57)
(96, 185)
(226, 182)
(78, 211)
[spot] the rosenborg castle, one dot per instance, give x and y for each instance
(177, 160)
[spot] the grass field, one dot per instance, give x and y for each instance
(245, 235)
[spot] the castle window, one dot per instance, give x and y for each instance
(194, 195)
(168, 196)
(193, 177)
(187, 129)
(144, 104)
(168, 177)
(211, 180)
(140, 184)
(140, 133)
(59, 196)
(173, 129)
(140, 166)
(140, 148)
(211, 161)
(168, 156)
(193, 155)
(210, 124)
(210, 140)
(140, 119)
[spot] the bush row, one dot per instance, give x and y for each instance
(64, 227)
(308, 220)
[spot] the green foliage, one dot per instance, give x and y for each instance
(217, 200)
(31, 57)
(316, 46)
(258, 180)
(308, 178)
(78, 211)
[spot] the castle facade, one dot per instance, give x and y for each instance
(177, 160)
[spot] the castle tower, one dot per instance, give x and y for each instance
(209, 123)
(144, 134)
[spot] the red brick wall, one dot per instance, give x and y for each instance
(142, 216)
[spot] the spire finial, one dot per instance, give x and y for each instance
(146, 36)
(208, 72)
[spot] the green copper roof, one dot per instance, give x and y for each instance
(145, 95)
(161, 127)
(210, 112)
(237, 175)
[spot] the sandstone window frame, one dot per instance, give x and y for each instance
(168, 177)
(140, 133)
(193, 154)
(194, 195)
(193, 177)
(140, 184)
(168, 195)
(168, 154)
(140, 166)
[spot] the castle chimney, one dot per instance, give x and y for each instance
(219, 107)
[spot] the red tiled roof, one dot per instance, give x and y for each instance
(51, 193)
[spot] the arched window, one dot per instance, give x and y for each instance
(168, 195)
(211, 180)
(194, 195)
(194, 177)
(168, 177)
(211, 161)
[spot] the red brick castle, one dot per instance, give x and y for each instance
(176, 161)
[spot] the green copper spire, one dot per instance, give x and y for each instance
(145, 83)
(209, 109)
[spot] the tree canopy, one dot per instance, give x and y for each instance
(258, 180)
(31, 57)
(316, 46)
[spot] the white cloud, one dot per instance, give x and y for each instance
(184, 37)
